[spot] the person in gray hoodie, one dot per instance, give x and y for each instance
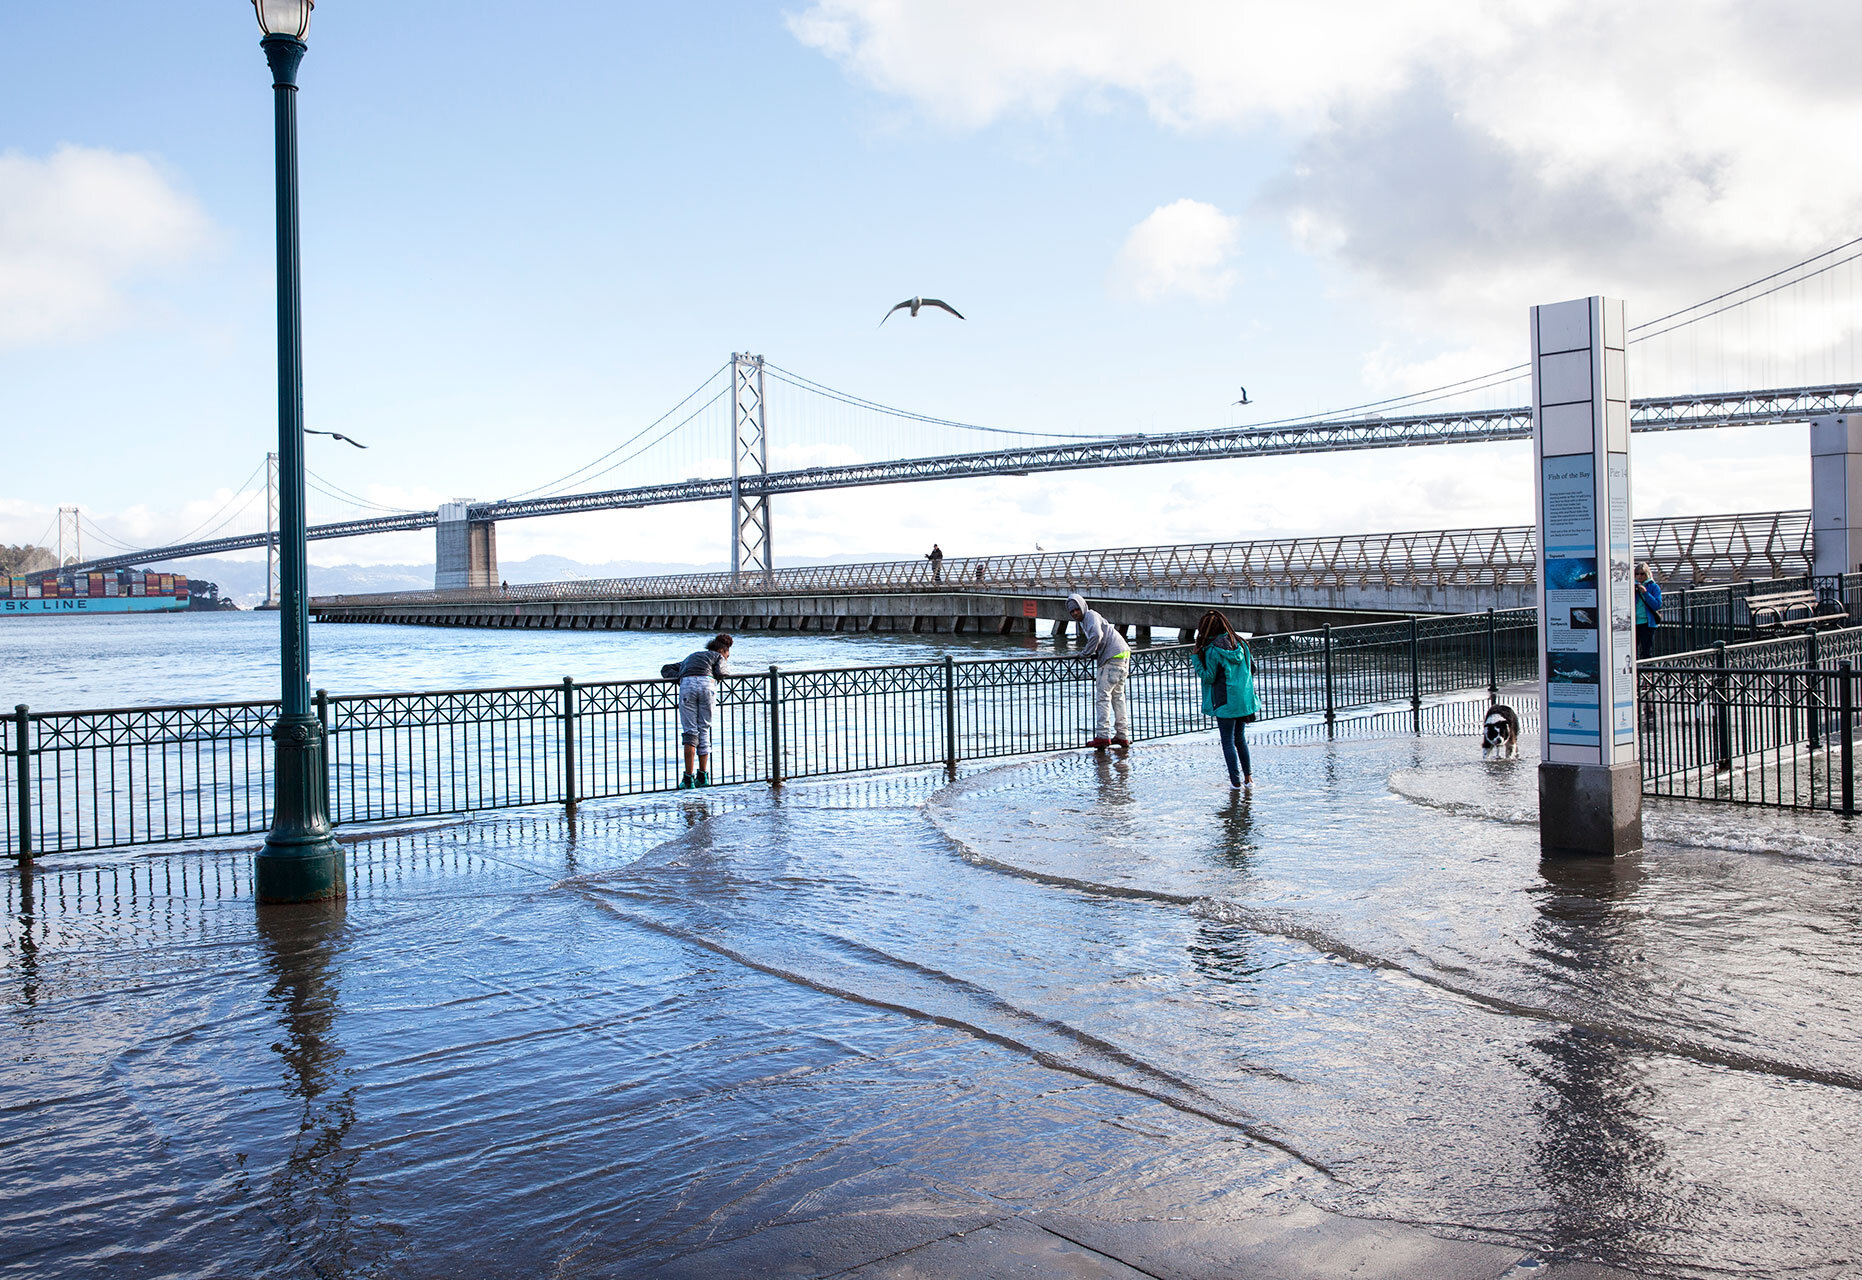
(1112, 716)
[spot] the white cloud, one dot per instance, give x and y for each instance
(78, 230)
(1183, 247)
(1463, 158)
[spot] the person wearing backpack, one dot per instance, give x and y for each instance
(1648, 611)
(698, 690)
(1225, 666)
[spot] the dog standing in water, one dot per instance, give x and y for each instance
(1500, 731)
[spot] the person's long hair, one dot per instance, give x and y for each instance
(1212, 626)
(719, 643)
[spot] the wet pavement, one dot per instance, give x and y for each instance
(1079, 1016)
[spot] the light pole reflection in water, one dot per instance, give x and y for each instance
(310, 1193)
(301, 861)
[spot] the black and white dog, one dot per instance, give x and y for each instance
(1500, 731)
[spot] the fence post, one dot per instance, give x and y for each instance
(775, 727)
(22, 775)
(1846, 700)
(1723, 730)
(1330, 706)
(1415, 667)
(322, 700)
(1493, 661)
(950, 715)
(1813, 689)
(568, 746)
(1686, 629)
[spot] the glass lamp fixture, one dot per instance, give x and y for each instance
(284, 17)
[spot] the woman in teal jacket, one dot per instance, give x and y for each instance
(1226, 668)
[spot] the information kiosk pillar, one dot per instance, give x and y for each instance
(1590, 784)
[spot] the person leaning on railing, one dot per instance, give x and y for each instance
(1111, 712)
(698, 686)
(1225, 665)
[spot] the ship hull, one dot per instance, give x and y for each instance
(92, 604)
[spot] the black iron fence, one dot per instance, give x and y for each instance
(1697, 618)
(1776, 736)
(78, 780)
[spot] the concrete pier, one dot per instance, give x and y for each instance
(465, 551)
(955, 613)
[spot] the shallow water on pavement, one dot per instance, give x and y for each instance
(687, 1033)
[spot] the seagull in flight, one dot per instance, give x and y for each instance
(336, 435)
(1244, 397)
(916, 303)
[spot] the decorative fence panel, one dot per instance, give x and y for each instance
(1779, 737)
(102, 779)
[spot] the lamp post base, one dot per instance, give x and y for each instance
(301, 861)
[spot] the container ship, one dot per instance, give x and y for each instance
(112, 591)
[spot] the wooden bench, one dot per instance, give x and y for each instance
(1778, 607)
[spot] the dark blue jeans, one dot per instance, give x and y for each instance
(1234, 734)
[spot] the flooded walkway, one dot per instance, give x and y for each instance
(1074, 1017)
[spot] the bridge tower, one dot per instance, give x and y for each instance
(1836, 494)
(750, 540)
(70, 537)
(271, 531)
(465, 550)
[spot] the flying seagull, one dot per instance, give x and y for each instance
(1244, 397)
(916, 303)
(336, 435)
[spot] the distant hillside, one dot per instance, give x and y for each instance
(25, 559)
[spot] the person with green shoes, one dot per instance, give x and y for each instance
(1225, 665)
(698, 694)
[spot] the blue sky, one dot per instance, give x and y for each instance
(528, 230)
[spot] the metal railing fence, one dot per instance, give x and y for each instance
(1696, 618)
(1773, 736)
(1685, 548)
(79, 780)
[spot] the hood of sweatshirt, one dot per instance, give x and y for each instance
(1077, 601)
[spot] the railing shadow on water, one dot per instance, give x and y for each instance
(83, 780)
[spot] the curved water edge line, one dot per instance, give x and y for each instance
(1249, 1128)
(1228, 911)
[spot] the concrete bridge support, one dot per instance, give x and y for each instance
(1836, 494)
(465, 552)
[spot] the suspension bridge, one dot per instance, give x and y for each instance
(1797, 321)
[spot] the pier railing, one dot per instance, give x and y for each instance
(1684, 548)
(1782, 737)
(81, 780)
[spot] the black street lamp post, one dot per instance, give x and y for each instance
(301, 861)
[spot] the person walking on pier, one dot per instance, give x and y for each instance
(936, 557)
(1225, 665)
(1648, 610)
(1111, 713)
(698, 677)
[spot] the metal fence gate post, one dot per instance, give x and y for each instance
(775, 727)
(22, 776)
(1846, 701)
(1493, 662)
(321, 699)
(1686, 630)
(950, 715)
(1415, 668)
(1330, 706)
(1813, 690)
(568, 746)
(1723, 729)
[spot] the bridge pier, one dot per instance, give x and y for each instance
(465, 551)
(1836, 494)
